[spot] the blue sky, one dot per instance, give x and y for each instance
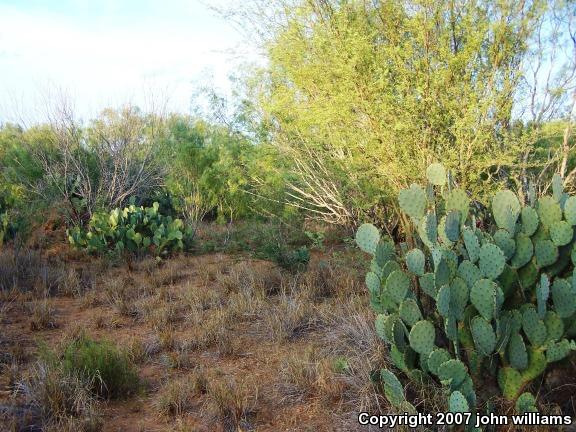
(109, 52)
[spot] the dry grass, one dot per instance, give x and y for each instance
(231, 402)
(290, 318)
(176, 397)
(42, 315)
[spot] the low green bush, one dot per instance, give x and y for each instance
(475, 303)
(99, 362)
(134, 229)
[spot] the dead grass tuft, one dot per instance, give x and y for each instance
(231, 402)
(42, 315)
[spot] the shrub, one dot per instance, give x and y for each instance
(135, 229)
(110, 371)
(470, 302)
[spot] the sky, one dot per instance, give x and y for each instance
(102, 53)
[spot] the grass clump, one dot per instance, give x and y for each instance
(110, 371)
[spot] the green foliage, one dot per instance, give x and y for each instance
(133, 229)
(110, 370)
(507, 316)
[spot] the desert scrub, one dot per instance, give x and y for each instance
(109, 371)
(471, 302)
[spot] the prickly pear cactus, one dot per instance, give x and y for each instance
(462, 304)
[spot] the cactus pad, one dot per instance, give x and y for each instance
(397, 285)
(442, 233)
(517, 354)
(457, 199)
(558, 351)
(554, 326)
(442, 273)
(373, 283)
(504, 241)
(452, 373)
(492, 260)
(534, 328)
(428, 285)
(422, 337)
(413, 201)
(367, 238)
(546, 252)
(526, 403)
(524, 251)
(483, 334)
(459, 295)
(506, 209)
(436, 174)
(570, 210)
(458, 403)
(472, 244)
(388, 268)
(530, 220)
(469, 273)
(510, 382)
(393, 388)
(563, 297)
(561, 233)
(549, 211)
(415, 261)
(542, 293)
(436, 358)
(384, 252)
(452, 225)
(483, 297)
(410, 312)
(443, 301)
(380, 325)
(428, 229)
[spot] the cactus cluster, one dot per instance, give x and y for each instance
(457, 303)
(133, 229)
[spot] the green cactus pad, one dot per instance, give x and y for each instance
(525, 403)
(517, 354)
(549, 211)
(472, 244)
(554, 326)
(415, 261)
(386, 325)
(444, 240)
(375, 268)
(422, 337)
(443, 301)
(505, 241)
(506, 209)
(534, 328)
(452, 373)
(410, 312)
(459, 294)
(399, 334)
(469, 273)
(380, 325)
(442, 273)
(428, 229)
(528, 275)
(413, 201)
(483, 297)
(524, 251)
(561, 233)
(436, 174)
(563, 297)
(373, 283)
(457, 199)
(452, 225)
(560, 350)
(393, 388)
(570, 210)
(428, 285)
(458, 403)
(388, 268)
(397, 286)
(492, 261)
(483, 334)
(542, 293)
(536, 365)
(385, 252)
(436, 358)
(530, 220)
(451, 328)
(367, 238)
(546, 252)
(510, 382)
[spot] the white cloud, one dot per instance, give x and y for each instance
(110, 59)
